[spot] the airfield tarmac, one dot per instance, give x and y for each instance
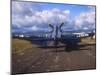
(36, 59)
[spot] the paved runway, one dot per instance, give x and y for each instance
(49, 60)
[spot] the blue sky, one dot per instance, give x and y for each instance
(74, 9)
(32, 16)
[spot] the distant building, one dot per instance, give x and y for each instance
(81, 34)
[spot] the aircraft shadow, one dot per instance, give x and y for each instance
(67, 49)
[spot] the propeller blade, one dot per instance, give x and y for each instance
(61, 26)
(51, 27)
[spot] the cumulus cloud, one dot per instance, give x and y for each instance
(28, 17)
(21, 17)
(85, 20)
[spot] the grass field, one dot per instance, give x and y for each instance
(88, 40)
(19, 46)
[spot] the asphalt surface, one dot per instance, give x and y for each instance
(51, 59)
